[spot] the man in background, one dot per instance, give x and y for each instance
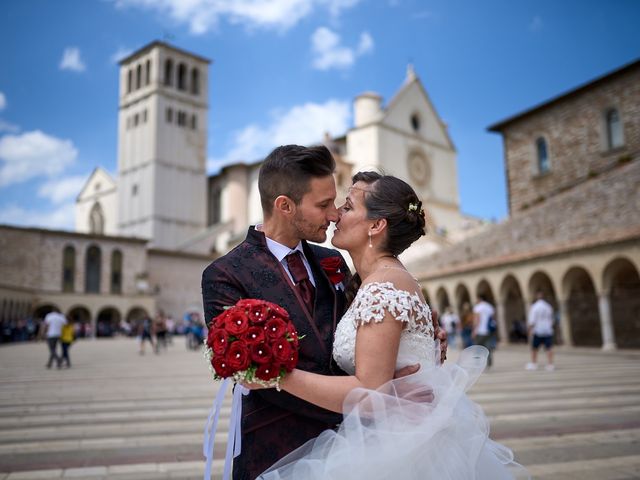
(53, 323)
(540, 325)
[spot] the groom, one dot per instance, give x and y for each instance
(275, 262)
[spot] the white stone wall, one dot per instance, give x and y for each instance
(32, 263)
(176, 280)
(101, 189)
(163, 158)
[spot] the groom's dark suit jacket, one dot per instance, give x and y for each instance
(275, 423)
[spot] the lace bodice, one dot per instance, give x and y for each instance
(372, 302)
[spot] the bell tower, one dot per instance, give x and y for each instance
(162, 140)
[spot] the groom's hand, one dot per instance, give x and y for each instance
(441, 335)
(414, 392)
(408, 370)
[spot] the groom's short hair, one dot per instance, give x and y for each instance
(289, 169)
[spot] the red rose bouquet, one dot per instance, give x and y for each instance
(254, 341)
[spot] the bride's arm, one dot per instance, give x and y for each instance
(376, 351)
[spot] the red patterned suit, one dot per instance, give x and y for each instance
(275, 423)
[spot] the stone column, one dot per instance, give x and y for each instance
(606, 325)
(565, 322)
(502, 323)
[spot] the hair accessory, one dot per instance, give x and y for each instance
(416, 207)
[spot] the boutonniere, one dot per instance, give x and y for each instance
(331, 266)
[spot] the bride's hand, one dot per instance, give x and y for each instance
(252, 386)
(441, 335)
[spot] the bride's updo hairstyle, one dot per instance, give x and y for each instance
(390, 198)
(394, 200)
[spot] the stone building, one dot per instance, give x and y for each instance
(130, 256)
(162, 202)
(573, 176)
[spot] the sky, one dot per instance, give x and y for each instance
(286, 71)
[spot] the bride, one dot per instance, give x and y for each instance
(389, 431)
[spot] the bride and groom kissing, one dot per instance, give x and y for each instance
(368, 398)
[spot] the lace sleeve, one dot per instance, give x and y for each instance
(376, 299)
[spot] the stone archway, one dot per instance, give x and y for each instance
(582, 308)
(80, 316)
(485, 290)
(427, 297)
(107, 322)
(41, 311)
(462, 298)
(515, 313)
(622, 282)
(442, 300)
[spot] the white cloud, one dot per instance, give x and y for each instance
(61, 190)
(71, 60)
(366, 43)
(62, 217)
(204, 15)
(119, 54)
(329, 53)
(337, 6)
(8, 127)
(33, 154)
(3, 101)
(302, 124)
(535, 24)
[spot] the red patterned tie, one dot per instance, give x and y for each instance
(301, 278)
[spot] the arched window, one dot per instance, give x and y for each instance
(147, 76)
(182, 77)
(415, 122)
(68, 268)
(168, 72)
(138, 76)
(116, 271)
(542, 155)
(92, 270)
(195, 81)
(96, 219)
(129, 81)
(614, 129)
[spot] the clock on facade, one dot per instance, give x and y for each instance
(419, 169)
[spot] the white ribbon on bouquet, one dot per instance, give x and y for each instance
(234, 442)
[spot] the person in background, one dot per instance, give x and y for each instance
(451, 324)
(540, 330)
(145, 333)
(466, 330)
(53, 323)
(67, 337)
(484, 315)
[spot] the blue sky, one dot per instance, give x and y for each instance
(285, 71)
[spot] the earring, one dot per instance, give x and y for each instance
(370, 244)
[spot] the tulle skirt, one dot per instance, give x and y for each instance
(393, 433)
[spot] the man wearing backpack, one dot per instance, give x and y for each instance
(484, 326)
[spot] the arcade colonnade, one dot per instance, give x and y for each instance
(596, 293)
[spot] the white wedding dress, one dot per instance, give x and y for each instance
(388, 433)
